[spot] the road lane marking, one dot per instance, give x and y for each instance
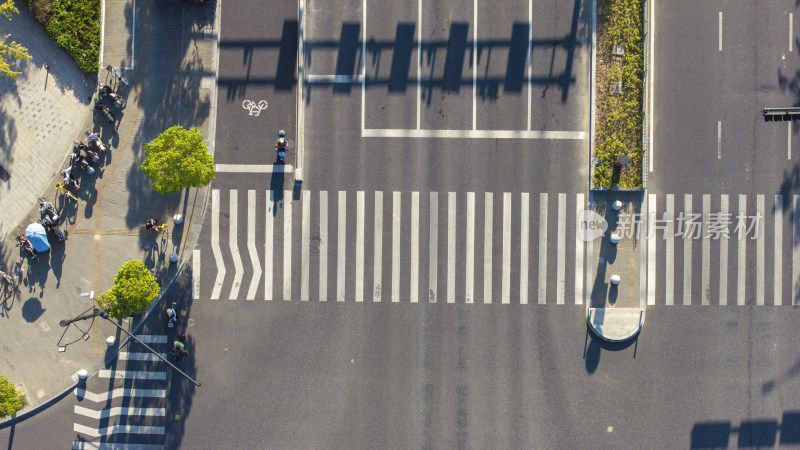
(251, 244)
(542, 248)
(723, 254)
(687, 253)
(414, 263)
(139, 356)
(324, 243)
(363, 64)
(433, 247)
(778, 264)
(561, 245)
(719, 139)
(119, 411)
(377, 263)
(287, 245)
(215, 249)
(117, 393)
(524, 236)
(451, 247)
(530, 62)
(643, 255)
(238, 267)
(795, 294)
(396, 198)
(741, 272)
(195, 274)
(761, 214)
(116, 429)
(475, 65)
(419, 63)
(651, 251)
(669, 254)
(253, 168)
(341, 247)
(132, 374)
(789, 140)
(579, 207)
(469, 293)
(360, 246)
(791, 31)
(505, 297)
(471, 134)
(720, 31)
(705, 268)
(306, 247)
(269, 226)
(488, 219)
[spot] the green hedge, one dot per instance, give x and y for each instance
(619, 128)
(74, 25)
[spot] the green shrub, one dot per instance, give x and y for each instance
(10, 400)
(74, 25)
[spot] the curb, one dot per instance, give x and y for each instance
(615, 324)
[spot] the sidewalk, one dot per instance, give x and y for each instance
(172, 82)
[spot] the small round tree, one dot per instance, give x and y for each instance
(10, 400)
(133, 291)
(176, 159)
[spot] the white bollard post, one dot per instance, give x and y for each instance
(617, 205)
(110, 341)
(615, 279)
(82, 374)
(173, 258)
(614, 238)
(178, 219)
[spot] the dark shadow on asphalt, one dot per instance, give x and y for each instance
(755, 433)
(593, 347)
(32, 310)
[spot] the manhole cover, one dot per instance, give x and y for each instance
(315, 244)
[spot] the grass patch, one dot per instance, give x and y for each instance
(619, 117)
(74, 25)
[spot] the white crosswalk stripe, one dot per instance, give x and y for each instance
(515, 258)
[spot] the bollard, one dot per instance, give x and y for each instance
(173, 258)
(615, 279)
(178, 219)
(110, 341)
(617, 205)
(614, 238)
(82, 374)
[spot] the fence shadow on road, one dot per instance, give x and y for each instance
(760, 433)
(593, 346)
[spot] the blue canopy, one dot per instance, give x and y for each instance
(38, 237)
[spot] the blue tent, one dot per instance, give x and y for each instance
(38, 237)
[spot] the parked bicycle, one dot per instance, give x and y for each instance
(62, 187)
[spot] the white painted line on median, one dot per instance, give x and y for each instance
(215, 249)
(117, 393)
(139, 356)
(433, 248)
(687, 253)
(377, 263)
(778, 262)
(705, 269)
(469, 282)
(305, 247)
(795, 292)
(791, 31)
(287, 245)
(475, 65)
(471, 134)
(119, 411)
(669, 254)
(524, 237)
(488, 220)
(505, 296)
(85, 445)
(341, 247)
(116, 429)
(720, 31)
(323, 246)
(530, 62)
(252, 210)
(132, 375)
(419, 63)
(334, 79)
(542, 248)
(789, 140)
(719, 139)
(561, 247)
(253, 168)
(396, 198)
(195, 274)
(363, 64)
(723, 253)
(651, 251)
(414, 263)
(579, 207)
(451, 247)
(269, 233)
(360, 201)
(238, 268)
(762, 214)
(741, 273)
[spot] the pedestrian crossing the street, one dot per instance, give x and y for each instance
(506, 248)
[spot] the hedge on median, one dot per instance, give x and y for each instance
(74, 25)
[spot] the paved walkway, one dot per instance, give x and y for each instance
(172, 80)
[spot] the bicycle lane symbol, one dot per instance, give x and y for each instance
(254, 108)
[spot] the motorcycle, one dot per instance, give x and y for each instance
(106, 91)
(281, 146)
(81, 162)
(98, 104)
(47, 210)
(93, 138)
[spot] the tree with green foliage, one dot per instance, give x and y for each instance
(10, 400)
(133, 290)
(176, 159)
(10, 51)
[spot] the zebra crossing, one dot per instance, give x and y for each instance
(124, 408)
(469, 247)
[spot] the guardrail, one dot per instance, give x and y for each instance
(780, 112)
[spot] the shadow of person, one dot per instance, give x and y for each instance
(32, 309)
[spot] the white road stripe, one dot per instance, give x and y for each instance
(777, 216)
(251, 244)
(488, 220)
(719, 139)
(153, 338)
(132, 374)
(590, 264)
(269, 227)
(323, 246)
(139, 356)
(341, 252)
(396, 198)
(669, 279)
(433, 247)
(720, 31)
(723, 254)
(524, 236)
(120, 411)
(762, 215)
(469, 282)
(86, 445)
(579, 207)
(705, 269)
(253, 168)
(505, 296)
(789, 140)
(117, 393)
(475, 65)
(333, 79)
(377, 263)
(451, 247)
(287, 245)
(530, 62)
(215, 249)
(791, 31)
(419, 62)
(471, 134)
(238, 268)
(795, 293)
(561, 248)
(687, 254)
(414, 266)
(116, 429)
(306, 247)
(643, 255)
(741, 273)
(359, 246)
(651, 250)
(195, 274)
(542, 248)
